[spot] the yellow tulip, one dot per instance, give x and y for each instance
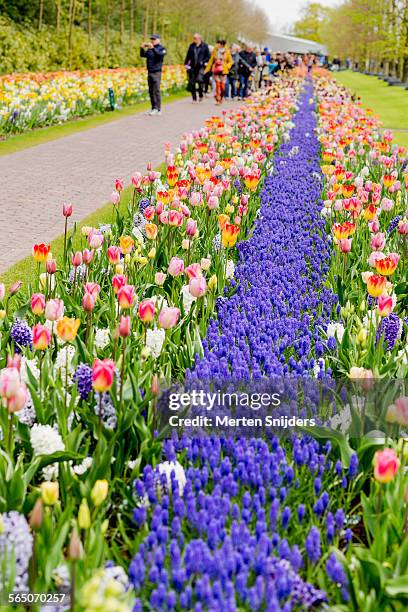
(67, 328)
(49, 493)
(99, 492)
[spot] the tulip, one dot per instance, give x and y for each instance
(54, 309)
(88, 302)
(67, 328)
(84, 516)
(345, 245)
(193, 270)
(124, 326)
(87, 256)
(37, 303)
(119, 184)
(213, 202)
(92, 288)
(126, 244)
(146, 310)
(159, 278)
(168, 317)
(386, 464)
(2, 291)
(378, 241)
(152, 253)
(212, 283)
(49, 493)
(51, 266)
(40, 252)
(176, 266)
(99, 492)
(118, 281)
(103, 371)
(67, 210)
(387, 265)
(137, 180)
(205, 263)
(385, 305)
(398, 412)
(114, 253)
(403, 228)
(150, 211)
(15, 288)
(126, 296)
(14, 361)
(95, 239)
(76, 259)
(75, 548)
(376, 285)
(9, 382)
(19, 400)
(197, 286)
(229, 235)
(191, 228)
(37, 515)
(41, 337)
(151, 230)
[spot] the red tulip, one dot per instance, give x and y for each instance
(103, 371)
(146, 310)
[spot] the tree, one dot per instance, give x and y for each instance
(312, 21)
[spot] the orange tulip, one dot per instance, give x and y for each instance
(40, 252)
(126, 244)
(67, 328)
(387, 265)
(151, 230)
(41, 337)
(229, 235)
(222, 220)
(376, 285)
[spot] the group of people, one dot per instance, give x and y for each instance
(231, 72)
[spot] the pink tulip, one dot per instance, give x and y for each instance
(176, 266)
(115, 197)
(378, 241)
(385, 305)
(76, 259)
(41, 337)
(168, 317)
(92, 288)
(51, 266)
(194, 270)
(118, 281)
(197, 286)
(88, 302)
(213, 202)
(159, 278)
(398, 412)
(124, 326)
(191, 228)
(403, 228)
(87, 256)
(9, 382)
(2, 291)
(103, 371)
(137, 180)
(146, 310)
(164, 217)
(67, 210)
(175, 218)
(345, 245)
(126, 296)
(374, 226)
(37, 303)
(95, 239)
(114, 253)
(54, 309)
(18, 400)
(387, 204)
(386, 464)
(14, 361)
(119, 184)
(149, 213)
(195, 198)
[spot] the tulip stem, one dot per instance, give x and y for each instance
(10, 435)
(72, 586)
(122, 370)
(65, 241)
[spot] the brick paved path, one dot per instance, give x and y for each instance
(81, 169)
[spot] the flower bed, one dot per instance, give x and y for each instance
(269, 248)
(29, 101)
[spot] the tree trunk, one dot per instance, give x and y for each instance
(89, 20)
(146, 24)
(131, 19)
(72, 9)
(404, 77)
(40, 14)
(58, 16)
(122, 20)
(106, 38)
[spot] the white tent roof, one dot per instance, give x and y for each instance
(282, 43)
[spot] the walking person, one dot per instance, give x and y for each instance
(154, 53)
(196, 60)
(220, 64)
(231, 83)
(246, 65)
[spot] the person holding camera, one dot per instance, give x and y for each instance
(154, 53)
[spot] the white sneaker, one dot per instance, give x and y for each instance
(149, 112)
(157, 113)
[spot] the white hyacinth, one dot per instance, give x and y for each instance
(167, 468)
(102, 338)
(155, 340)
(335, 330)
(230, 271)
(188, 299)
(29, 364)
(45, 440)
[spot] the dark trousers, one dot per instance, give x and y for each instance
(243, 87)
(196, 82)
(153, 80)
(230, 87)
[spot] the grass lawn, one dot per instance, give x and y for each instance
(17, 142)
(389, 103)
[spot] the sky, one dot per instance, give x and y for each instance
(282, 13)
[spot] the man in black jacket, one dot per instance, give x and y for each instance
(154, 53)
(197, 57)
(246, 65)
